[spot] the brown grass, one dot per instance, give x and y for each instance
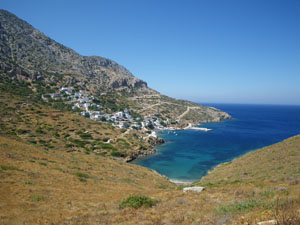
(51, 185)
(275, 163)
(287, 213)
(64, 131)
(54, 191)
(43, 187)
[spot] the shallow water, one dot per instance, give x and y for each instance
(188, 155)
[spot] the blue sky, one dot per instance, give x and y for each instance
(233, 51)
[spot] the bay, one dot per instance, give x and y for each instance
(190, 154)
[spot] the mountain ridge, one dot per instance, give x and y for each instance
(29, 55)
(55, 56)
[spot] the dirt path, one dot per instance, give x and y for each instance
(187, 111)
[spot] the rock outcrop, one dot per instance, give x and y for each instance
(193, 189)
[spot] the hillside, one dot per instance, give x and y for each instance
(52, 128)
(44, 181)
(30, 56)
(69, 123)
(274, 163)
(56, 187)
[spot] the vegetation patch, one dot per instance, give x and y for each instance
(117, 154)
(43, 163)
(243, 206)
(4, 167)
(81, 176)
(138, 201)
(37, 198)
(86, 136)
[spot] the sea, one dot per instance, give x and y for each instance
(188, 155)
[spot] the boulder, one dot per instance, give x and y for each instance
(268, 222)
(195, 189)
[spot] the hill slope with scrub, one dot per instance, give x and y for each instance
(60, 167)
(41, 185)
(30, 56)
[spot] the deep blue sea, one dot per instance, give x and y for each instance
(188, 155)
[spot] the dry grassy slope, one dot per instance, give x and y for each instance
(278, 162)
(65, 131)
(175, 109)
(263, 184)
(41, 187)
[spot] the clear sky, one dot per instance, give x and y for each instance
(231, 51)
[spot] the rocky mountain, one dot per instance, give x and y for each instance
(28, 55)
(28, 52)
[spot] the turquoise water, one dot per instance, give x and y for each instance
(188, 155)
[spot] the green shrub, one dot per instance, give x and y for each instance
(69, 145)
(81, 175)
(138, 201)
(121, 140)
(32, 141)
(105, 139)
(78, 142)
(143, 147)
(86, 136)
(3, 167)
(43, 163)
(108, 147)
(39, 131)
(243, 206)
(37, 198)
(21, 131)
(117, 154)
(42, 141)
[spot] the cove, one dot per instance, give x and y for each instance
(188, 155)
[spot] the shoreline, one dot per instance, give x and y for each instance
(190, 126)
(159, 141)
(179, 182)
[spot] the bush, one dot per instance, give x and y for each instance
(37, 198)
(117, 154)
(4, 167)
(86, 136)
(43, 163)
(78, 142)
(105, 139)
(243, 206)
(83, 175)
(21, 131)
(138, 201)
(108, 147)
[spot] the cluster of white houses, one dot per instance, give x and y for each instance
(84, 103)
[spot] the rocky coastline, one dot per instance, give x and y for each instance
(154, 141)
(149, 151)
